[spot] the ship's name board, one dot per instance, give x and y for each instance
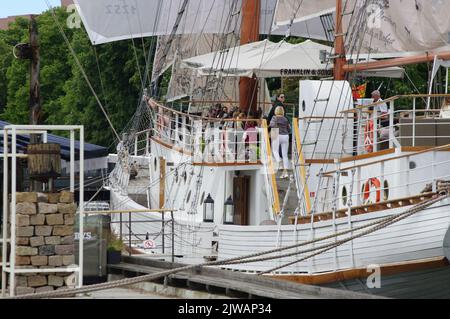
(305, 72)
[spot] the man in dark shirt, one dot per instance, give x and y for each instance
(279, 102)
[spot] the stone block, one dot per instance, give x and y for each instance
(27, 231)
(22, 241)
(69, 219)
(67, 208)
(53, 240)
(44, 230)
(37, 241)
(37, 220)
(37, 281)
(68, 260)
(66, 197)
(22, 220)
(47, 250)
(64, 249)
(23, 261)
(39, 260)
(68, 240)
(56, 261)
(26, 208)
(45, 208)
(63, 230)
(44, 289)
(53, 198)
(21, 281)
(26, 251)
(55, 219)
(42, 198)
(55, 281)
(20, 291)
(26, 197)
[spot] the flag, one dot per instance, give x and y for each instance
(359, 92)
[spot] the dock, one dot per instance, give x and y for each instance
(228, 283)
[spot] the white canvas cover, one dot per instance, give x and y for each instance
(267, 59)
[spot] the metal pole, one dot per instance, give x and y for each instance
(120, 226)
(431, 82)
(12, 258)
(5, 211)
(173, 237)
(81, 200)
(72, 161)
(129, 233)
(163, 234)
(446, 80)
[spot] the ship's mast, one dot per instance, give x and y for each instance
(248, 88)
(339, 48)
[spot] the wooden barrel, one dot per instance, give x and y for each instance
(44, 161)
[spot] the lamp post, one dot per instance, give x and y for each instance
(228, 211)
(208, 210)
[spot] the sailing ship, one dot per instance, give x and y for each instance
(366, 187)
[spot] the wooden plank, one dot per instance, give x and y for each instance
(367, 156)
(361, 273)
(162, 182)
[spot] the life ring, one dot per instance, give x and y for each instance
(367, 187)
(368, 136)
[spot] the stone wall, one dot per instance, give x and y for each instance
(44, 239)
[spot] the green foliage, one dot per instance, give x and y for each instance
(115, 243)
(66, 97)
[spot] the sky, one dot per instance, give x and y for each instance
(19, 7)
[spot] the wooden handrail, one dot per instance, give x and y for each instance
(434, 149)
(302, 167)
(276, 199)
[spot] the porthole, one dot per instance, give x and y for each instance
(304, 106)
(184, 176)
(412, 165)
(386, 190)
(344, 196)
(155, 162)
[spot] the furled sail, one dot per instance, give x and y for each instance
(381, 28)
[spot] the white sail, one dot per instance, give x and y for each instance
(400, 27)
(115, 20)
(381, 28)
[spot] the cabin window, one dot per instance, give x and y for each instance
(386, 190)
(344, 196)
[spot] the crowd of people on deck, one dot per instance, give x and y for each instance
(235, 118)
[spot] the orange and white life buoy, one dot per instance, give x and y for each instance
(372, 182)
(368, 136)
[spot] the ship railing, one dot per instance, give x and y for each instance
(207, 140)
(398, 177)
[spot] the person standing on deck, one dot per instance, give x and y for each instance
(280, 136)
(279, 102)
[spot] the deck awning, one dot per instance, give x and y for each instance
(266, 59)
